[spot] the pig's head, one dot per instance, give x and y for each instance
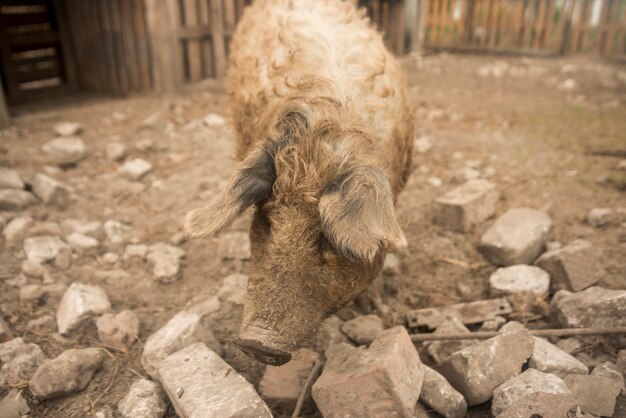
(324, 220)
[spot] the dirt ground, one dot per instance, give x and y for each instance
(535, 127)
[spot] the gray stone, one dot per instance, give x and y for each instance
(391, 265)
(467, 205)
(119, 331)
(182, 330)
(68, 128)
(213, 120)
(19, 361)
(441, 396)
(65, 151)
(10, 179)
(35, 270)
(380, 381)
(441, 350)
(516, 392)
(548, 358)
(80, 242)
(363, 329)
(234, 245)
(233, 289)
(571, 345)
(89, 228)
(144, 399)
(115, 151)
(16, 228)
(136, 250)
(44, 248)
(116, 232)
(621, 362)
(610, 371)
(166, 260)
(13, 405)
(573, 267)
(599, 217)
(69, 372)
(517, 279)
(593, 307)
(594, 394)
(476, 371)
(492, 325)
(135, 169)
(51, 191)
(80, 303)
(517, 237)
(200, 384)
(330, 334)
(14, 199)
(512, 326)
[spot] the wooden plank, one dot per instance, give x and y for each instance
(503, 26)
(161, 25)
(494, 32)
(547, 34)
(5, 122)
(568, 22)
(131, 67)
(26, 19)
(9, 68)
(397, 27)
(67, 52)
(106, 35)
(140, 35)
(121, 66)
(32, 39)
(230, 17)
(217, 34)
(39, 74)
(203, 32)
(194, 53)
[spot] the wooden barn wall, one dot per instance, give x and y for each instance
(110, 44)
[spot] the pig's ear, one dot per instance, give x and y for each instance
(251, 184)
(358, 216)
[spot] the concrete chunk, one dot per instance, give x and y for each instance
(519, 279)
(286, 382)
(517, 237)
(68, 128)
(181, 331)
(135, 169)
(14, 199)
(19, 361)
(441, 396)
(467, 205)
(441, 350)
(51, 191)
(10, 179)
(549, 358)
(144, 399)
(476, 371)
(595, 394)
(165, 260)
(80, 303)
(200, 384)
(599, 217)
(573, 267)
(65, 151)
(44, 248)
(593, 307)
(119, 330)
(382, 380)
(363, 329)
(519, 396)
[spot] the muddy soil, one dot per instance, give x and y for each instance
(535, 127)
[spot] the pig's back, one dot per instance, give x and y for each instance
(313, 48)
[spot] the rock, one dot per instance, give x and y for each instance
(233, 289)
(382, 380)
(213, 120)
(200, 384)
(145, 144)
(90, 228)
(441, 396)
(363, 329)
(599, 217)
(31, 293)
(136, 250)
(548, 358)
(166, 261)
(519, 279)
(19, 361)
(14, 199)
(593, 307)
(441, 350)
(119, 330)
(512, 326)
(329, 333)
(179, 332)
(420, 411)
(156, 121)
(610, 371)
(13, 405)
(517, 237)
(16, 228)
(44, 248)
(570, 345)
(391, 265)
(68, 128)
(135, 169)
(467, 205)
(434, 181)
(492, 325)
(234, 245)
(43, 323)
(144, 399)
(286, 382)
(115, 151)
(529, 394)
(621, 362)
(80, 242)
(594, 394)
(423, 144)
(35, 270)
(110, 258)
(69, 372)
(5, 332)
(468, 313)
(505, 354)
(51, 191)
(116, 232)
(80, 303)
(573, 267)
(65, 151)
(10, 179)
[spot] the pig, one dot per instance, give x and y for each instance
(324, 136)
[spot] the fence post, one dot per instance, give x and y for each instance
(162, 27)
(415, 24)
(4, 112)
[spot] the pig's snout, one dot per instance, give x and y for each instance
(263, 345)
